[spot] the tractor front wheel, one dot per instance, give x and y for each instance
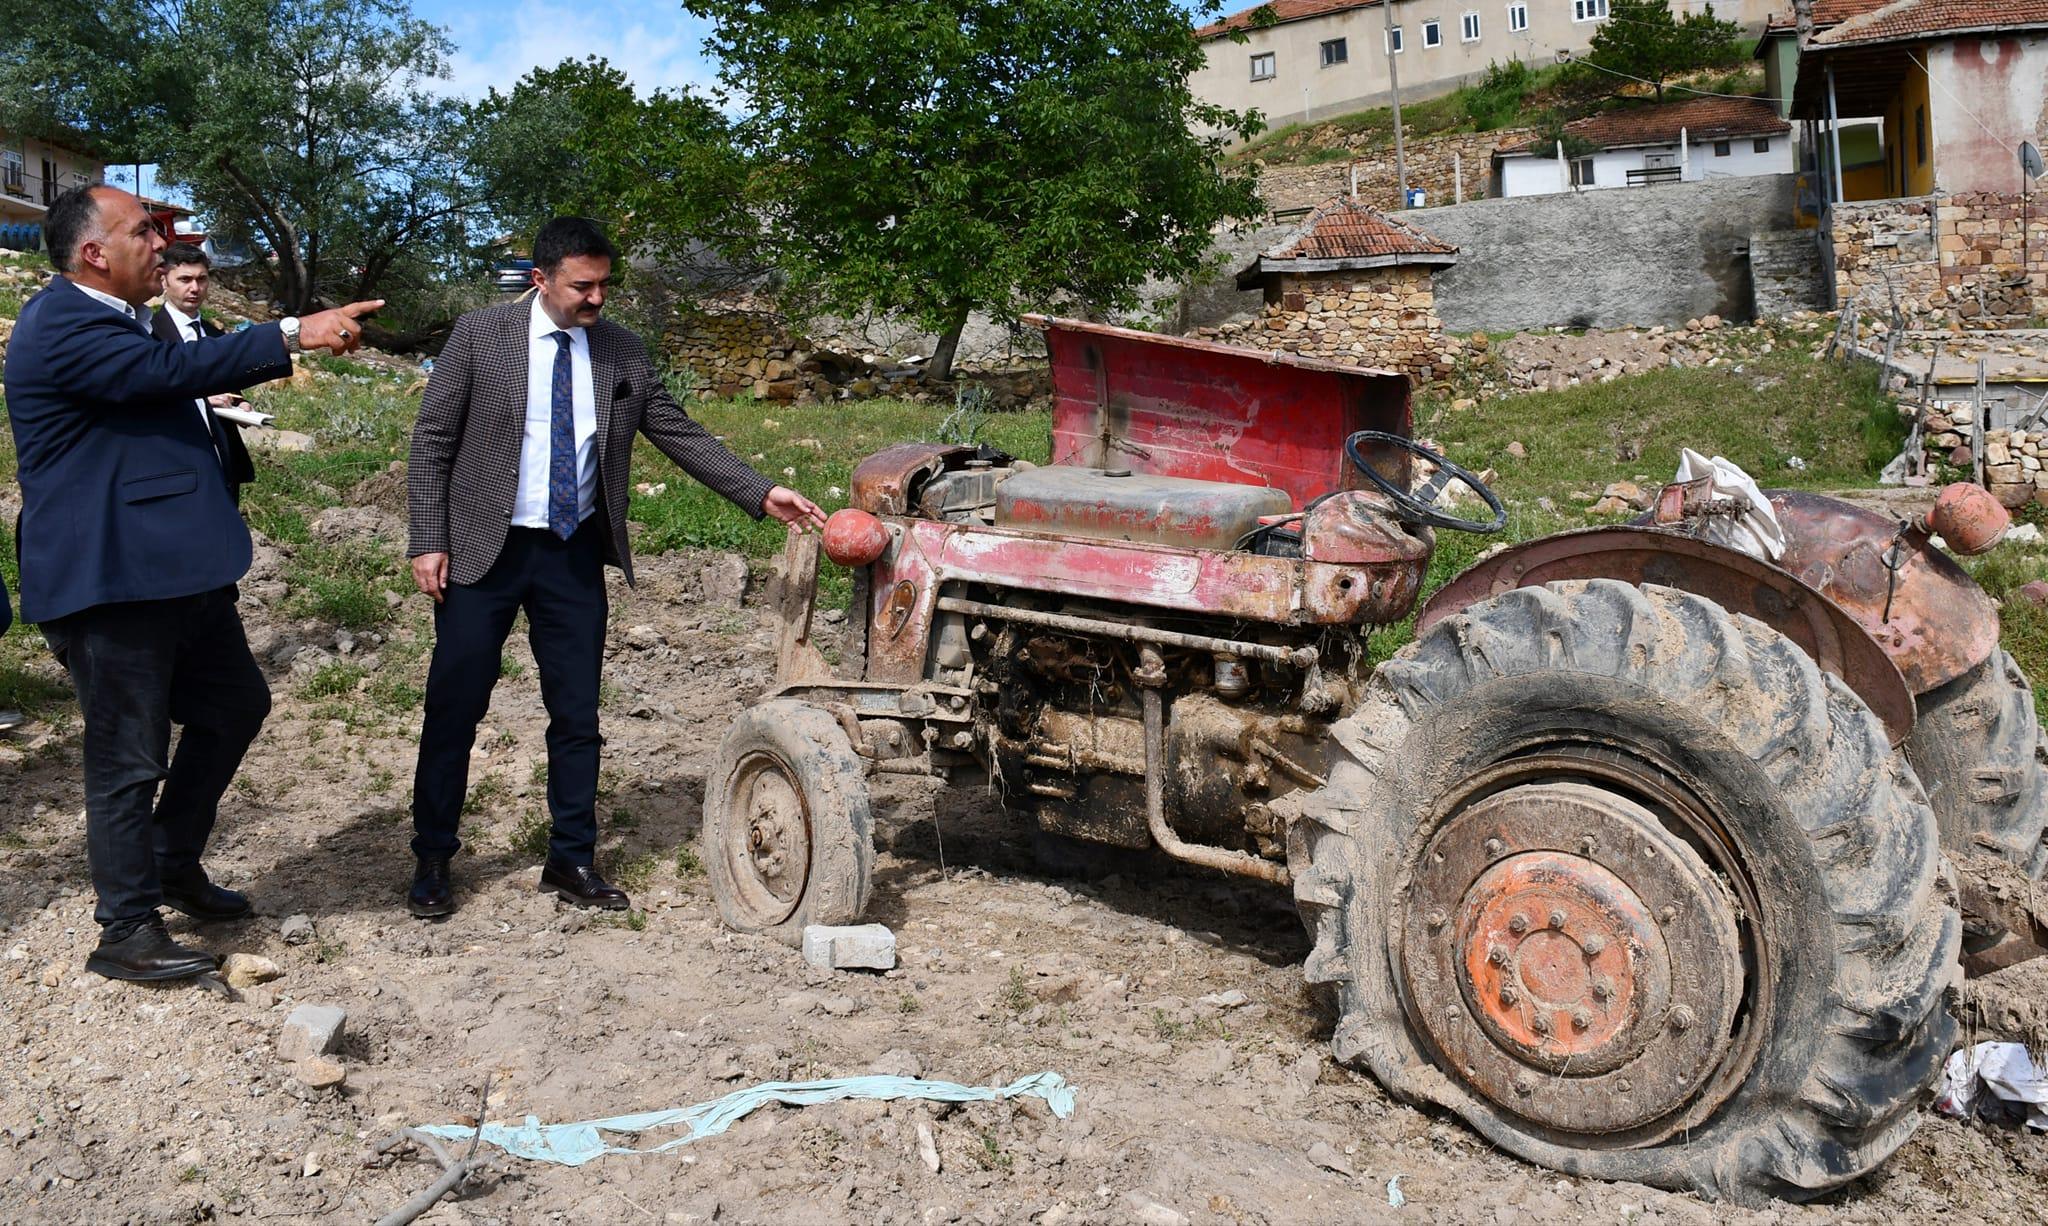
(788, 839)
(1634, 888)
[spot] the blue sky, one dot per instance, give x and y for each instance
(655, 43)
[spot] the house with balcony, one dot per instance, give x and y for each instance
(1672, 142)
(1305, 60)
(35, 170)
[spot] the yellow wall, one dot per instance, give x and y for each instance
(1909, 132)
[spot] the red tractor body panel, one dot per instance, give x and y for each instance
(1173, 407)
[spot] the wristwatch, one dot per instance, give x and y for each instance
(289, 327)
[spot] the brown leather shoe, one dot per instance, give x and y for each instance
(582, 886)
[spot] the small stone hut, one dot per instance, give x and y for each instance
(1351, 285)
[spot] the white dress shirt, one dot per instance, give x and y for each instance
(530, 502)
(189, 332)
(139, 316)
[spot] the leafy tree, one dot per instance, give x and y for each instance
(939, 156)
(304, 121)
(662, 173)
(1643, 39)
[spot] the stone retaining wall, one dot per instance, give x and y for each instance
(1953, 261)
(1382, 318)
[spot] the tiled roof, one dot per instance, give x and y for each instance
(1700, 118)
(1905, 20)
(1343, 229)
(1283, 10)
(1825, 13)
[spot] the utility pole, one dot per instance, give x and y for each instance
(1394, 92)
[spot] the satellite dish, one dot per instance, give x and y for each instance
(2030, 160)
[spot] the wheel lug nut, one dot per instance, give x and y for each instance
(1498, 955)
(1518, 923)
(1540, 1024)
(1525, 1084)
(1436, 920)
(1602, 989)
(1593, 945)
(1494, 847)
(1587, 846)
(1682, 1019)
(1557, 919)
(1669, 913)
(1581, 1020)
(1507, 994)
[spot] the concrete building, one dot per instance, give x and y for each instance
(1319, 58)
(1675, 142)
(34, 171)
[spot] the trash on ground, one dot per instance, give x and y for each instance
(2017, 1089)
(580, 1142)
(1394, 1196)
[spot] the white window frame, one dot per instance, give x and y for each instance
(1468, 27)
(1589, 10)
(1432, 34)
(1586, 162)
(1342, 49)
(1395, 42)
(1272, 65)
(1518, 18)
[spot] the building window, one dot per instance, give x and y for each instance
(1582, 172)
(1761, 144)
(1518, 18)
(1920, 135)
(1334, 52)
(1468, 28)
(1394, 41)
(1589, 10)
(1432, 34)
(1262, 66)
(1721, 149)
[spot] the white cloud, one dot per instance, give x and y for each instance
(656, 46)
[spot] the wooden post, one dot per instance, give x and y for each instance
(1458, 177)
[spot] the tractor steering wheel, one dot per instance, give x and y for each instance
(1419, 507)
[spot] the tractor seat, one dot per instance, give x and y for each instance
(1119, 505)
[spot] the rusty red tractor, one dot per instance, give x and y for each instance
(1649, 859)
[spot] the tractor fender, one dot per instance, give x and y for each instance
(1730, 578)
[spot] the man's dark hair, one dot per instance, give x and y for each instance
(177, 255)
(566, 236)
(68, 220)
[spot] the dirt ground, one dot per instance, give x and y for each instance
(124, 1103)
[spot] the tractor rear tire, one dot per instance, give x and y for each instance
(1978, 751)
(788, 838)
(1635, 889)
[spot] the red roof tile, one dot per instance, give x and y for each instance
(1343, 229)
(1907, 20)
(1283, 10)
(1700, 118)
(1825, 13)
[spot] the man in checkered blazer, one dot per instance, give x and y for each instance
(517, 491)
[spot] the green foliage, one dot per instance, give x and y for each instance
(1496, 102)
(939, 156)
(336, 680)
(1644, 39)
(308, 125)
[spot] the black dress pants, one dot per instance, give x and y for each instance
(560, 584)
(139, 667)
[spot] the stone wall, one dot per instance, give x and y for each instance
(734, 351)
(1384, 318)
(1953, 261)
(1433, 165)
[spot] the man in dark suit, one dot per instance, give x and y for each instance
(188, 276)
(517, 491)
(130, 548)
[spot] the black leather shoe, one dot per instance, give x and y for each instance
(147, 952)
(582, 886)
(433, 890)
(203, 900)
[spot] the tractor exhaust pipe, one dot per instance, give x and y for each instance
(1151, 678)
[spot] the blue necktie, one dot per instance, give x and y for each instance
(563, 479)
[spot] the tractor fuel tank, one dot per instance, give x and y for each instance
(1119, 505)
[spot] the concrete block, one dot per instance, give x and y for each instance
(311, 1030)
(870, 947)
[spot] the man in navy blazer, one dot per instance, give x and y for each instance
(130, 547)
